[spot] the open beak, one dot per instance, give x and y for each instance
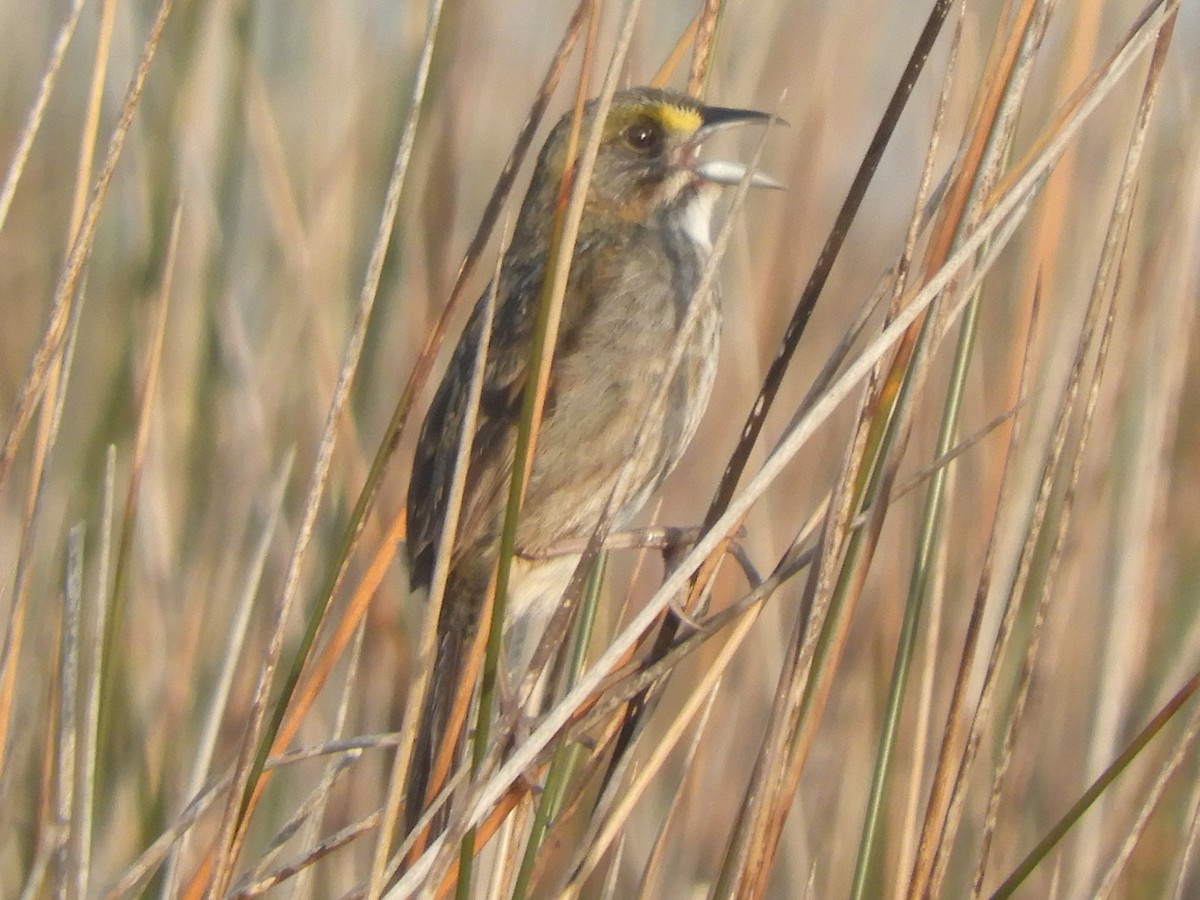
(721, 171)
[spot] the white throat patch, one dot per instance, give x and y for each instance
(697, 218)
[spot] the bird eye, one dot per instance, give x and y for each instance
(643, 135)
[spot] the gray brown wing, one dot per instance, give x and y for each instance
(490, 463)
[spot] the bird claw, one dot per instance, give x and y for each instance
(684, 616)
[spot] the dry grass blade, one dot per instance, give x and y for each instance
(304, 862)
(68, 731)
(1189, 848)
(1014, 593)
(706, 36)
(91, 124)
(33, 120)
(91, 700)
(90, 710)
(910, 831)
(609, 890)
(39, 869)
(964, 446)
(319, 669)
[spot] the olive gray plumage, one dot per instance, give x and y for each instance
(642, 245)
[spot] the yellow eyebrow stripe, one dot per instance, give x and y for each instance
(680, 120)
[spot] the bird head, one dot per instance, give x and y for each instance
(649, 162)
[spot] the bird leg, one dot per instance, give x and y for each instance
(672, 541)
(654, 537)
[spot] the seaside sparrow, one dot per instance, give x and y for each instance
(643, 241)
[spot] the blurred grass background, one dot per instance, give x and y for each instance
(272, 128)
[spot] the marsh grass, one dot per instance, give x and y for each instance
(961, 654)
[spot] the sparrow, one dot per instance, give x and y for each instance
(644, 240)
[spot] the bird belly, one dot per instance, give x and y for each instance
(607, 448)
(535, 587)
